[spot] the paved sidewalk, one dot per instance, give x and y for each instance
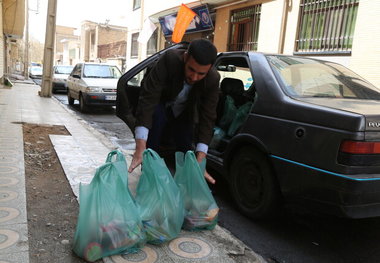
(80, 154)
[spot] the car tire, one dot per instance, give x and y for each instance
(82, 104)
(70, 99)
(253, 185)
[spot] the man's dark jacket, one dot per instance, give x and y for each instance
(164, 82)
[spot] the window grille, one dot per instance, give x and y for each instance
(135, 46)
(151, 46)
(326, 26)
(244, 31)
(136, 4)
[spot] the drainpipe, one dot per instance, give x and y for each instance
(284, 21)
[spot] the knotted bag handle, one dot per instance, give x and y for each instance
(119, 156)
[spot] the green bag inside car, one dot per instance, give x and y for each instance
(229, 112)
(108, 222)
(200, 206)
(239, 118)
(159, 199)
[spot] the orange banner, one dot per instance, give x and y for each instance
(184, 17)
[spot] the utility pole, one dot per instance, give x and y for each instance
(47, 74)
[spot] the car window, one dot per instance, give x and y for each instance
(63, 69)
(303, 77)
(36, 70)
(136, 79)
(76, 70)
(101, 71)
(244, 74)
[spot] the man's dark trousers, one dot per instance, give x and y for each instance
(168, 129)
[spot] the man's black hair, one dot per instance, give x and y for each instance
(203, 51)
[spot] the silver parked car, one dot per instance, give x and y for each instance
(61, 73)
(93, 84)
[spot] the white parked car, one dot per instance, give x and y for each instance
(35, 72)
(60, 75)
(93, 84)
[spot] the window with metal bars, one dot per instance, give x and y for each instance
(244, 30)
(326, 26)
(136, 4)
(134, 45)
(151, 46)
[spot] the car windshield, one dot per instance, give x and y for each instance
(304, 77)
(63, 69)
(101, 71)
(36, 70)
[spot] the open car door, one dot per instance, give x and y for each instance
(129, 86)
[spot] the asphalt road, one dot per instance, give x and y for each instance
(295, 236)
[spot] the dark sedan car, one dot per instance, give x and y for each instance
(289, 129)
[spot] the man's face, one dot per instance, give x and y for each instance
(194, 72)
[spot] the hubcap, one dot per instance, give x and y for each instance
(249, 185)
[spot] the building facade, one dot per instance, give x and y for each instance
(103, 43)
(12, 23)
(344, 31)
(67, 46)
(340, 31)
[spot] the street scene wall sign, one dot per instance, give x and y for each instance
(201, 22)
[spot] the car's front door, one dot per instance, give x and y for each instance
(128, 87)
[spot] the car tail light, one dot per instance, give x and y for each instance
(360, 147)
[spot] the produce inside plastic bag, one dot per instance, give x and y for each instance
(200, 206)
(159, 199)
(108, 222)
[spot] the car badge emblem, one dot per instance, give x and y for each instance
(374, 124)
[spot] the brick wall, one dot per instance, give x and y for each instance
(112, 50)
(109, 35)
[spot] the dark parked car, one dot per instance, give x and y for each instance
(289, 129)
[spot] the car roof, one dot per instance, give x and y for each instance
(94, 63)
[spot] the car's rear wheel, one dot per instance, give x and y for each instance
(82, 104)
(253, 185)
(69, 98)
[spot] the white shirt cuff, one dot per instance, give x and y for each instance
(201, 147)
(141, 133)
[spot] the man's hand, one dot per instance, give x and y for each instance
(208, 177)
(137, 156)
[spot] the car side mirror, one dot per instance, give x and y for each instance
(76, 76)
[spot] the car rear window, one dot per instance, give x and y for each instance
(101, 71)
(304, 77)
(63, 69)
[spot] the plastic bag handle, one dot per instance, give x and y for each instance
(119, 156)
(152, 154)
(190, 156)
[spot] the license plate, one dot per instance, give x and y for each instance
(111, 97)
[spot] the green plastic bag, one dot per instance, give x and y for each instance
(108, 222)
(219, 134)
(200, 206)
(229, 112)
(240, 117)
(159, 199)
